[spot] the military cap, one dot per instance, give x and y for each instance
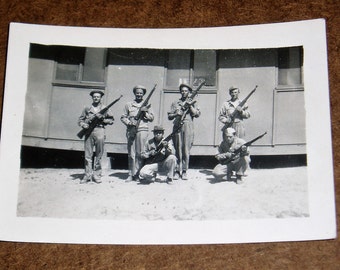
(185, 85)
(158, 128)
(139, 87)
(96, 91)
(230, 132)
(232, 88)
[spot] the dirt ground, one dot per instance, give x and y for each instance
(266, 193)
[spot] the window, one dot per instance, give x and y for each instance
(187, 66)
(77, 64)
(290, 62)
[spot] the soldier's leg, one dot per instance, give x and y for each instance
(188, 138)
(169, 165)
(220, 171)
(177, 140)
(141, 139)
(131, 154)
(88, 147)
(99, 141)
(148, 172)
(242, 165)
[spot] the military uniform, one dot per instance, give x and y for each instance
(136, 137)
(184, 137)
(165, 161)
(95, 140)
(239, 164)
(227, 110)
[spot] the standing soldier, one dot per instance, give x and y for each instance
(96, 138)
(183, 111)
(136, 130)
(228, 111)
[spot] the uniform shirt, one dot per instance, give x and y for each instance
(229, 107)
(177, 105)
(152, 145)
(131, 110)
(88, 113)
(226, 147)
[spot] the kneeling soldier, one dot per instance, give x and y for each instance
(159, 156)
(231, 160)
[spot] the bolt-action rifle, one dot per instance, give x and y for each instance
(95, 119)
(158, 151)
(190, 100)
(234, 114)
(235, 153)
(136, 119)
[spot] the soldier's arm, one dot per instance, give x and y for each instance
(223, 115)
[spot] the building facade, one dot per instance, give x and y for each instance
(60, 79)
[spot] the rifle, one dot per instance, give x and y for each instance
(160, 146)
(238, 150)
(140, 113)
(95, 120)
(186, 106)
(233, 115)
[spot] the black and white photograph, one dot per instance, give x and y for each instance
(220, 133)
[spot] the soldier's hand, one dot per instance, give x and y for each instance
(165, 143)
(85, 126)
(243, 148)
(239, 109)
(179, 112)
(144, 109)
(226, 155)
(100, 116)
(227, 119)
(108, 121)
(153, 152)
(132, 122)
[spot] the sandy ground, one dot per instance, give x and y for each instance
(266, 193)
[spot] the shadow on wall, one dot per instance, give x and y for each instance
(34, 157)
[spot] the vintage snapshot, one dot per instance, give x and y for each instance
(167, 136)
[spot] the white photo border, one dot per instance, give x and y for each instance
(321, 224)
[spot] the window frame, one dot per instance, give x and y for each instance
(173, 88)
(80, 83)
(277, 70)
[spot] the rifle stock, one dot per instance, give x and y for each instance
(95, 120)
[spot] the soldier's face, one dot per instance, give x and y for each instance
(96, 97)
(139, 93)
(158, 135)
(184, 92)
(234, 93)
(230, 138)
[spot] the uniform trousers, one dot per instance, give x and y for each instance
(183, 141)
(168, 165)
(95, 140)
(239, 165)
(135, 146)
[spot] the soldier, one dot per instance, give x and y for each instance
(183, 111)
(228, 108)
(160, 158)
(136, 131)
(95, 139)
(229, 161)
